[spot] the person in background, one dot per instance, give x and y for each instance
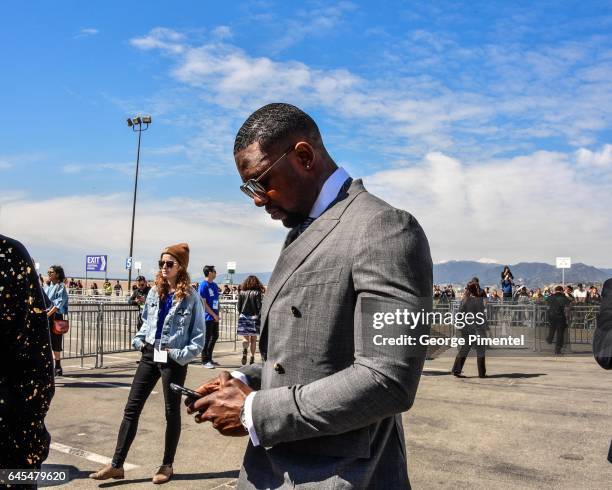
(249, 308)
(507, 274)
(602, 339)
(139, 295)
(472, 302)
(72, 286)
(522, 295)
(448, 294)
(170, 338)
(481, 292)
(557, 304)
(569, 292)
(94, 289)
(593, 297)
(436, 293)
(79, 287)
(58, 297)
(26, 382)
(507, 281)
(209, 291)
(118, 288)
(108, 288)
(580, 294)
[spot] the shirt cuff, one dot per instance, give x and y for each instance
(248, 408)
(248, 416)
(240, 376)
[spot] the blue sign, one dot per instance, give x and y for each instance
(96, 263)
(128, 263)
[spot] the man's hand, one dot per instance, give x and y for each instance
(221, 405)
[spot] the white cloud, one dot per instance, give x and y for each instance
(221, 32)
(19, 160)
(72, 169)
(532, 207)
(65, 229)
(167, 40)
(311, 23)
(601, 158)
(418, 103)
(87, 31)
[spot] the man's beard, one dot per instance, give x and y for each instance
(293, 219)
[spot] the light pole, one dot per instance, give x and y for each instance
(138, 125)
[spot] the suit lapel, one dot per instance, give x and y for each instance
(293, 255)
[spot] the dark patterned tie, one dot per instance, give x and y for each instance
(299, 229)
(304, 224)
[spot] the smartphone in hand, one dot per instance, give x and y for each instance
(185, 391)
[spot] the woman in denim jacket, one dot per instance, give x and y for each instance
(58, 297)
(171, 336)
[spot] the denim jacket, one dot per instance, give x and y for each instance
(58, 296)
(183, 330)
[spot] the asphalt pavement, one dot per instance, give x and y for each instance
(534, 422)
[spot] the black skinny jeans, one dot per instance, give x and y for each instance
(210, 339)
(147, 375)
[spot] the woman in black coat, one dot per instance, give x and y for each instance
(472, 302)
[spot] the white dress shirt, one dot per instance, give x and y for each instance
(328, 193)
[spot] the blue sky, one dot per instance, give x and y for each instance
(489, 122)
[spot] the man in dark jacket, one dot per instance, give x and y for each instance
(26, 386)
(602, 340)
(139, 295)
(557, 303)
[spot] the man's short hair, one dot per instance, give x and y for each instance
(208, 269)
(274, 124)
(558, 289)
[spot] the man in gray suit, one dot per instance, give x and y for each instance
(324, 409)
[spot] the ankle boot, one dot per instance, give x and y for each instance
(107, 472)
(244, 356)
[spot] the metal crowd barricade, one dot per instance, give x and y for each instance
(81, 340)
(228, 312)
(581, 323)
(119, 324)
(100, 328)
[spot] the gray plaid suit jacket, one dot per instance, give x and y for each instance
(328, 412)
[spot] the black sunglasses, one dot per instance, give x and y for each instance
(253, 188)
(167, 263)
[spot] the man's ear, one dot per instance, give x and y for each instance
(305, 154)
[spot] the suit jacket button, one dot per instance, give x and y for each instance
(278, 368)
(296, 313)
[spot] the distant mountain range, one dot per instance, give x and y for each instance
(532, 274)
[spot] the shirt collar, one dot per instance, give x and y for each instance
(329, 192)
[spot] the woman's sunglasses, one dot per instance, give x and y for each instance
(168, 263)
